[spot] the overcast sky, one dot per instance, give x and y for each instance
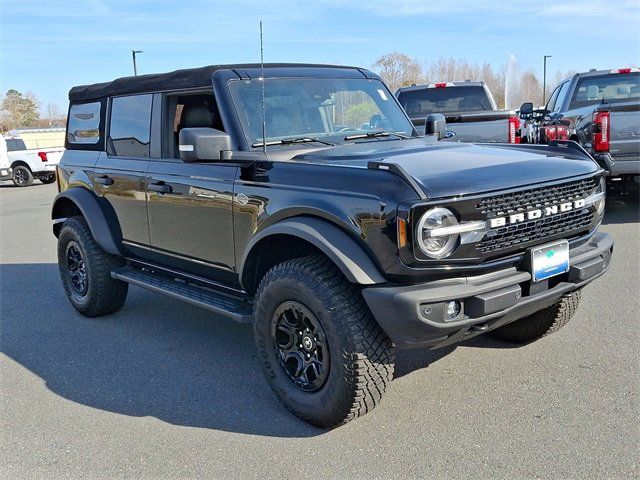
(49, 46)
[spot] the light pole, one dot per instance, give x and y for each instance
(544, 81)
(133, 54)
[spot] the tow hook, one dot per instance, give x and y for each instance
(480, 327)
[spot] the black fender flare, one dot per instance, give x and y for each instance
(342, 250)
(102, 221)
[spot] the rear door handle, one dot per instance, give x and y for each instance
(159, 187)
(104, 180)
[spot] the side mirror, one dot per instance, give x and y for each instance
(202, 144)
(526, 108)
(435, 124)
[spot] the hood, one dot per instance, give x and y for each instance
(445, 169)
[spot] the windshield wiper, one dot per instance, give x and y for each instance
(290, 141)
(374, 135)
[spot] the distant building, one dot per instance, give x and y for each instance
(40, 137)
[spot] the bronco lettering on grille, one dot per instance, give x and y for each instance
(536, 213)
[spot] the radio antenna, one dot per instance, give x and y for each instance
(264, 119)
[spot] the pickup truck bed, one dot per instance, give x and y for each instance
(468, 107)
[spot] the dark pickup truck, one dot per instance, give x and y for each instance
(469, 109)
(300, 199)
(600, 110)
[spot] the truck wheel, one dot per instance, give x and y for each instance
(323, 353)
(22, 176)
(542, 323)
(85, 270)
(48, 178)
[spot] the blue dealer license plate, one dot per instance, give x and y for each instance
(549, 260)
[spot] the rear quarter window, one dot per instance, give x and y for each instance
(84, 125)
(613, 87)
(15, 145)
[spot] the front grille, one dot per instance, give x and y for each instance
(561, 225)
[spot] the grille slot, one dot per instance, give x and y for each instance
(518, 235)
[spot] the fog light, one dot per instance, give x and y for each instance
(452, 309)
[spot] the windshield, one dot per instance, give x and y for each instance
(419, 103)
(327, 109)
(614, 87)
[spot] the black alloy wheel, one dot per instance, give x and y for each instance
(301, 345)
(77, 269)
(22, 176)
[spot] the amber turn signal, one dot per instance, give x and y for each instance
(401, 224)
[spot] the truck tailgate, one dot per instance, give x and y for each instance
(625, 131)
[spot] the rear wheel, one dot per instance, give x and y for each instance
(323, 353)
(50, 178)
(22, 176)
(542, 323)
(85, 270)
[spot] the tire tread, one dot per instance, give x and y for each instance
(542, 323)
(369, 361)
(107, 295)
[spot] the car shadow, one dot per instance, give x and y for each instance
(621, 210)
(413, 359)
(10, 184)
(156, 357)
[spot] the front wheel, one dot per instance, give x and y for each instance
(542, 323)
(22, 176)
(323, 353)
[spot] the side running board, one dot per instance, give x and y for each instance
(236, 309)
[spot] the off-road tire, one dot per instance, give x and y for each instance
(22, 176)
(362, 356)
(542, 323)
(46, 179)
(104, 295)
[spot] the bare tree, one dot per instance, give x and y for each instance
(530, 89)
(398, 69)
(53, 111)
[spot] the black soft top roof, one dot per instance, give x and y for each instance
(178, 79)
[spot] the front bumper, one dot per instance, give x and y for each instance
(6, 173)
(412, 315)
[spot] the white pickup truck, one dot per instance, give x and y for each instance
(5, 168)
(22, 165)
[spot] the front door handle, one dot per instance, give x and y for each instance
(104, 180)
(159, 187)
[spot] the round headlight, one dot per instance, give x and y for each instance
(430, 240)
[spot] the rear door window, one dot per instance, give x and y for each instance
(130, 126)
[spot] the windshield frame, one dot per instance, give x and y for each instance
(337, 138)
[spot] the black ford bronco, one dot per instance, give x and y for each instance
(301, 199)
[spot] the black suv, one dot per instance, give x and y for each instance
(300, 198)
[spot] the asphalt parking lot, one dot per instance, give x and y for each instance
(162, 389)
